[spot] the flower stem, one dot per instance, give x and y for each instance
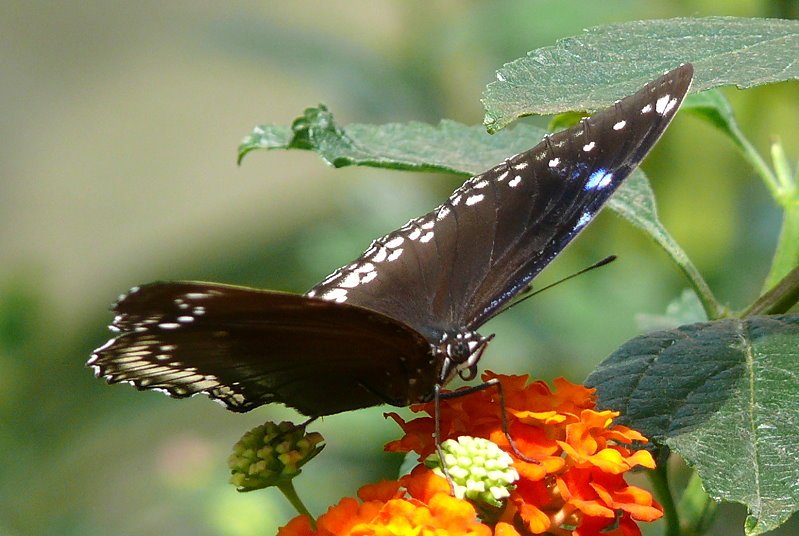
(713, 309)
(697, 509)
(290, 493)
(774, 183)
(660, 483)
(779, 299)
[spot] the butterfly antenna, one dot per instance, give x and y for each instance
(530, 293)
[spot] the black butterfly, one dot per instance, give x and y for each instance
(401, 319)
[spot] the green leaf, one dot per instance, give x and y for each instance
(714, 107)
(266, 137)
(605, 63)
(685, 309)
(449, 146)
(635, 202)
(724, 395)
(564, 121)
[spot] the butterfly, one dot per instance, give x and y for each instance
(401, 320)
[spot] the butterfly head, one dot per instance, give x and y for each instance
(458, 353)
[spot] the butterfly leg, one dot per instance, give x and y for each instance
(294, 427)
(503, 413)
(437, 396)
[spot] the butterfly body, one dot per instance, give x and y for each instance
(403, 317)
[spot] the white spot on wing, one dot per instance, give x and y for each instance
(416, 233)
(589, 146)
(503, 176)
(554, 162)
(646, 109)
(368, 277)
(427, 237)
(515, 182)
(337, 295)
(621, 124)
(395, 255)
(662, 104)
(185, 319)
(381, 254)
(520, 166)
(481, 184)
(169, 325)
(474, 199)
(395, 242)
(365, 268)
(351, 280)
(443, 212)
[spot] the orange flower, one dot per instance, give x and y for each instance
(417, 504)
(588, 442)
(572, 481)
(572, 464)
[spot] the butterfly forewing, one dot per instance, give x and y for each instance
(456, 266)
(245, 347)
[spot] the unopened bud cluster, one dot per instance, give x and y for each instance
(272, 454)
(478, 468)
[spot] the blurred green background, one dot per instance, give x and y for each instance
(120, 123)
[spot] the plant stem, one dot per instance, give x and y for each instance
(290, 493)
(773, 183)
(786, 256)
(660, 483)
(779, 299)
(696, 508)
(713, 309)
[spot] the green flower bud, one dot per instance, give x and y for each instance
(271, 455)
(478, 468)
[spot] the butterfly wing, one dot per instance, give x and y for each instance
(245, 347)
(456, 266)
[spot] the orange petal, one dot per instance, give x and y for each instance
(642, 458)
(535, 520)
(530, 471)
(505, 529)
(382, 491)
(592, 508)
(423, 484)
(610, 461)
(339, 518)
(299, 526)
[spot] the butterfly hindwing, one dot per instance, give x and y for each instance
(246, 347)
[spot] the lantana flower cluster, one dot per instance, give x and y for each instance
(571, 460)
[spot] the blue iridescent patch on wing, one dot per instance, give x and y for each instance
(599, 179)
